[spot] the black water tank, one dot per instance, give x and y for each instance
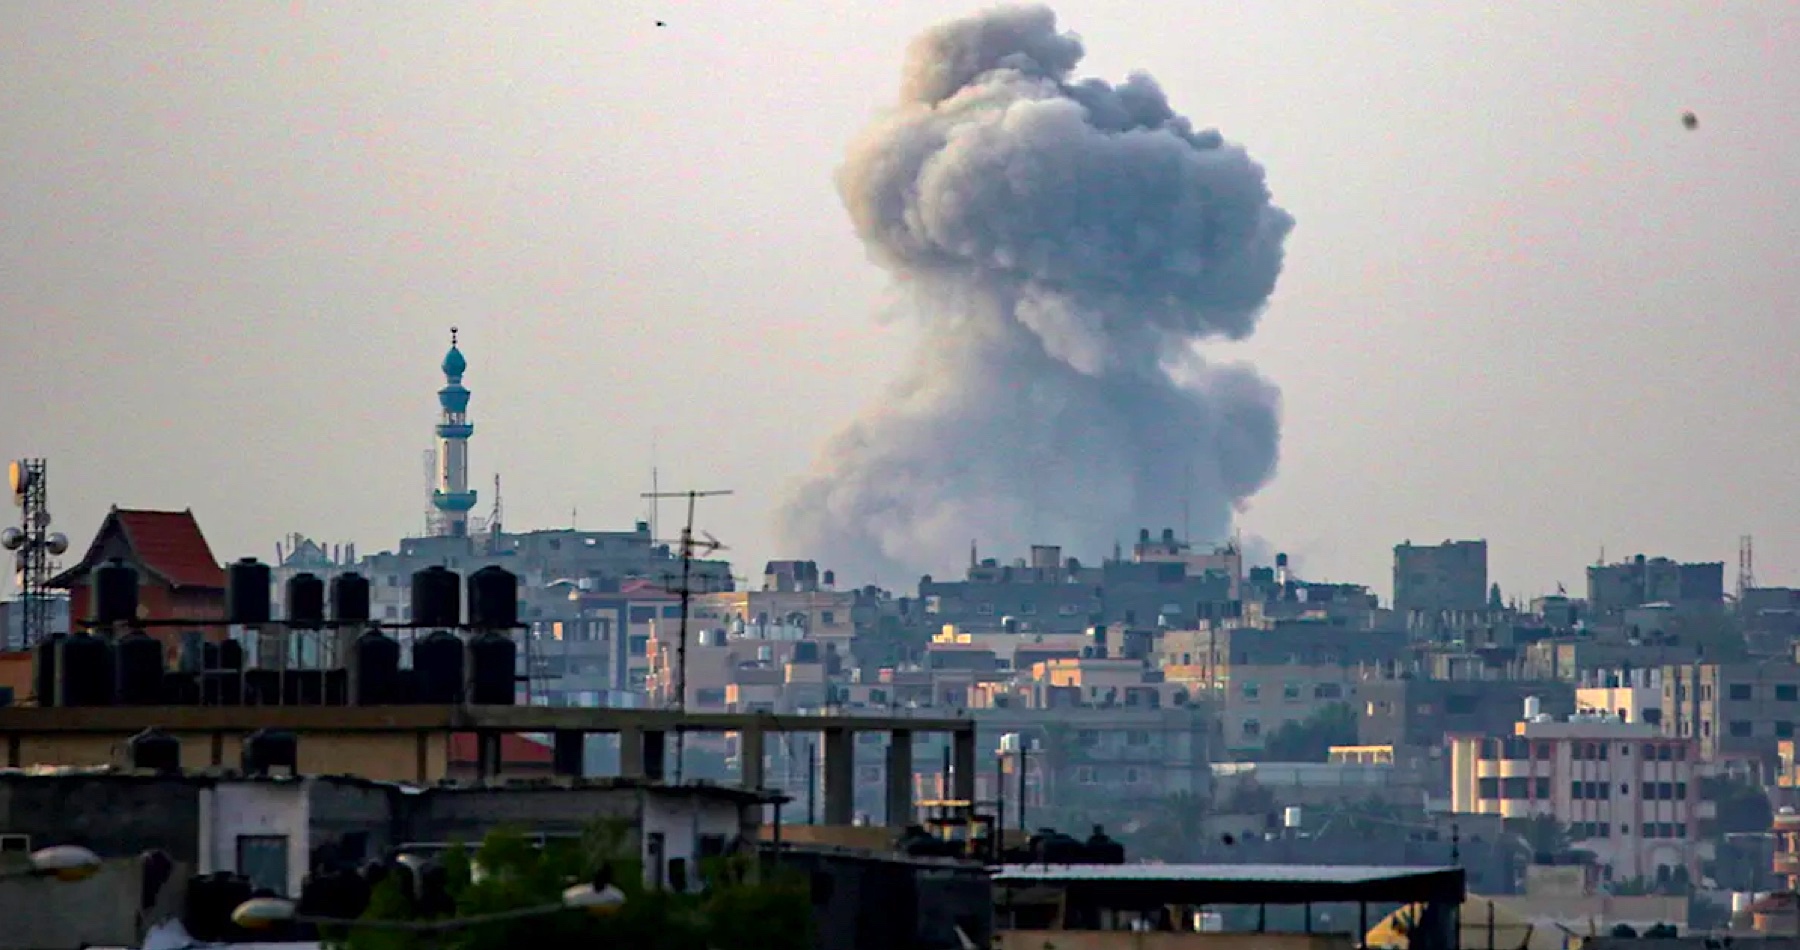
(350, 598)
(154, 749)
(210, 900)
(493, 660)
(43, 681)
(231, 655)
(377, 679)
(269, 750)
(438, 659)
(138, 659)
(436, 598)
(493, 598)
(306, 601)
(115, 592)
(247, 587)
(85, 672)
(806, 651)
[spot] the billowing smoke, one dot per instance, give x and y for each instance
(1064, 244)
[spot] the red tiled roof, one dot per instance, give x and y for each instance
(171, 544)
(514, 750)
(168, 544)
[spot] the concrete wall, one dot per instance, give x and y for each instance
(230, 812)
(104, 910)
(683, 821)
(389, 758)
(468, 814)
(863, 902)
(114, 815)
(1156, 940)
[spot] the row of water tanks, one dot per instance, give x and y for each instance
(264, 752)
(437, 597)
(86, 670)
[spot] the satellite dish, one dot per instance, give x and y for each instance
(12, 539)
(57, 543)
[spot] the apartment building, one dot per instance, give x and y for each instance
(1627, 792)
(1640, 580)
(1440, 578)
(1738, 712)
(1259, 678)
(1631, 695)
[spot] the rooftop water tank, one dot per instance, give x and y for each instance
(350, 598)
(436, 598)
(271, 752)
(306, 601)
(138, 660)
(115, 592)
(154, 749)
(493, 598)
(493, 667)
(248, 584)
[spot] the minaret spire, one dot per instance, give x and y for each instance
(453, 497)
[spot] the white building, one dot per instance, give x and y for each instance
(1626, 792)
(1631, 695)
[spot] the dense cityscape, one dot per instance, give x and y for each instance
(1024, 670)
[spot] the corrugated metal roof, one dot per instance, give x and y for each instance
(1224, 873)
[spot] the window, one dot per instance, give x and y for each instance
(1137, 737)
(1252, 728)
(264, 860)
(1085, 775)
(1087, 738)
(1787, 692)
(1132, 777)
(827, 617)
(1488, 788)
(984, 609)
(1784, 729)
(1250, 691)
(1741, 729)
(1290, 692)
(1328, 691)
(1515, 787)
(1542, 791)
(1738, 692)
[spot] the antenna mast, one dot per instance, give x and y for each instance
(34, 545)
(688, 547)
(1746, 578)
(431, 519)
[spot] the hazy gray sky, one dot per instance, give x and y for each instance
(1520, 302)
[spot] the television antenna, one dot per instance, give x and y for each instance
(689, 548)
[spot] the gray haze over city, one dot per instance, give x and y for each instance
(1339, 276)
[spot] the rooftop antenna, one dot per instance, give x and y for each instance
(689, 546)
(1746, 578)
(655, 488)
(431, 464)
(495, 519)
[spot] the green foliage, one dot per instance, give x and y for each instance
(1543, 834)
(743, 906)
(1311, 739)
(1740, 806)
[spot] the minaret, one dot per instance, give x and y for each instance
(453, 498)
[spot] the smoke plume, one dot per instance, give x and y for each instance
(1064, 243)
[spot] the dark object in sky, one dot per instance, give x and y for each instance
(661, 23)
(1690, 121)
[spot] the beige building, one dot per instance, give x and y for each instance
(1627, 793)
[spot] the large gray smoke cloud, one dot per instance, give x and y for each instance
(1064, 244)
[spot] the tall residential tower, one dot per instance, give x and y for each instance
(453, 498)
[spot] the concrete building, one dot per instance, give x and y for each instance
(1628, 793)
(277, 830)
(1737, 712)
(1435, 579)
(1632, 695)
(1051, 594)
(1687, 587)
(1259, 678)
(12, 620)
(1416, 716)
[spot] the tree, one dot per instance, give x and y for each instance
(1311, 739)
(1741, 807)
(1543, 834)
(742, 906)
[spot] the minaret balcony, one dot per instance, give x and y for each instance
(455, 430)
(453, 501)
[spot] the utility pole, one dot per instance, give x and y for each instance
(688, 547)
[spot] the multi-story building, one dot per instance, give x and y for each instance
(1631, 694)
(1262, 677)
(1416, 716)
(1161, 584)
(1625, 791)
(179, 578)
(1738, 712)
(1446, 578)
(1688, 587)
